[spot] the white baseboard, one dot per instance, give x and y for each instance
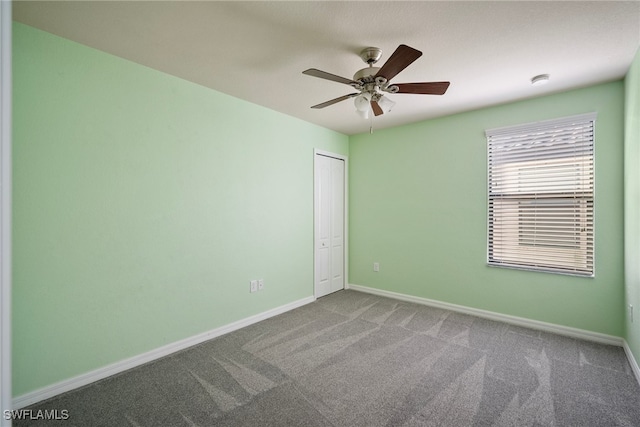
(514, 320)
(123, 365)
(632, 361)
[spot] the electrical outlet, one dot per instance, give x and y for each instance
(376, 266)
(260, 284)
(253, 286)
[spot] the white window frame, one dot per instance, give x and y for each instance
(540, 196)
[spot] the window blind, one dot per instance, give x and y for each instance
(540, 196)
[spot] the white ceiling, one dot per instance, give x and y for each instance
(257, 51)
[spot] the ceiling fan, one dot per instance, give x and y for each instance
(372, 82)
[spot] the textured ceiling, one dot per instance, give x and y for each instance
(257, 51)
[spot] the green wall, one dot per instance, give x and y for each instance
(632, 205)
(143, 205)
(418, 202)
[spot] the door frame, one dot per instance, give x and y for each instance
(345, 214)
(5, 211)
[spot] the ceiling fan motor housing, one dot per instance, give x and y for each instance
(366, 75)
(368, 82)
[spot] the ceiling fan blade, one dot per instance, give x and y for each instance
(425, 88)
(399, 60)
(328, 76)
(335, 101)
(376, 108)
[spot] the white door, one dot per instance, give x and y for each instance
(329, 224)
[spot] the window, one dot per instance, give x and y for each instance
(541, 185)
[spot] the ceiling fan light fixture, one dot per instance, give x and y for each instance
(540, 80)
(363, 102)
(364, 114)
(386, 104)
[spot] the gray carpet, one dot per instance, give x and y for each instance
(353, 359)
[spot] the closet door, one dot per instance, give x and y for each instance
(329, 224)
